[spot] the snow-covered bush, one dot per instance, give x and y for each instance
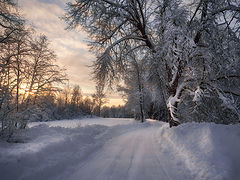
(210, 108)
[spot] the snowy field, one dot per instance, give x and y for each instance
(120, 149)
(83, 122)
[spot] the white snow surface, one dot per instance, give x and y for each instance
(83, 122)
(119, 149)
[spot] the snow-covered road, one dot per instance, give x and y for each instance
(132, 155)
(122, 149)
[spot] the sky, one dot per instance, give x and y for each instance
(70, 45)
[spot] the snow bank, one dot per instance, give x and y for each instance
(83, 122)
(204, 151)
(47, 148)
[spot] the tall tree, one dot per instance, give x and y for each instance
(42, 70)
(184, 53)
(26, 63)
(99, 98)
(134, 80)
(114, 25)
(76, 98)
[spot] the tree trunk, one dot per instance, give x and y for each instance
(174, 91)
(171, 121)
(142, 110)
(18, 78)
(141, 95)
(99, 110)
(197, 38)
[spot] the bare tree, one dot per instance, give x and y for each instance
(42, 71)
(76, 98)
(26, 64)
(99, 98)
(10, 20)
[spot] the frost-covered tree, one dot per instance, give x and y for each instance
(172, 59)
(117, 28)
(87, 106)
(115, 25)
(11, 31)
(76, 96)
(43, 73)
(27, 70)
(216, 34)
(112, 25)
(195, 59)
(10, 20)
(134, 84)
(191, 53)
(76, 99)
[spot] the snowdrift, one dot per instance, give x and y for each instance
(203, 150)
(51, 149)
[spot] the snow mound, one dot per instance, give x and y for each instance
(203, 150)
(84, 122)
(47, 148)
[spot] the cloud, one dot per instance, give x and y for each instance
(70, 46)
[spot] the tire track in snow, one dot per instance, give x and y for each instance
(132, 155)
(154, 143)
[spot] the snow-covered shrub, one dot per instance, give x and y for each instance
(208, 108)
(11, 122)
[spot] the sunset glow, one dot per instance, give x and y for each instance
(70, 45)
